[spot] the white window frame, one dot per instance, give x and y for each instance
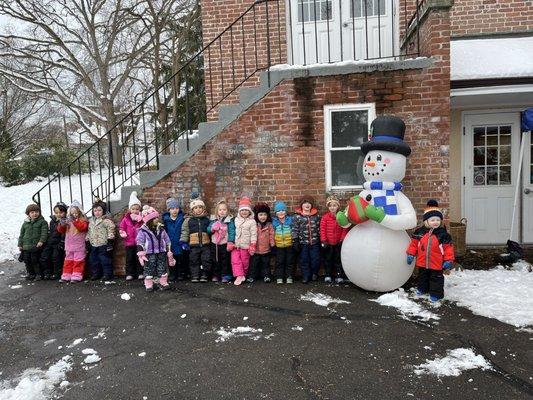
(328, 109)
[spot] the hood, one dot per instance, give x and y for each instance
(314, 211)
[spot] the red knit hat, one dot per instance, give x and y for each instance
(245, 204)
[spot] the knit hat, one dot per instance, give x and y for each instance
(332, 200)
(262, 208)
(307, 199)
(173, 203)
(245, 204)
(149, 213)
(76, 203)
(101, 204)
(196, 201)
(432, 210)
(32, 207)
(280, 206)
(62, 206)
(134, 200)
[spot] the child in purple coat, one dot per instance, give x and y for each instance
(130, 224)
(153, 245)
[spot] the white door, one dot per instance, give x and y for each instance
(527, 190)
(491, 154)
(323, 31)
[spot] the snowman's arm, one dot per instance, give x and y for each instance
(406, 218)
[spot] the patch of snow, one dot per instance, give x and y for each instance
(183, 316)
(36, 384)
(2, 272)
(92, 358)
(246, 300)
(64, 384)
(505, 295)
(321, 299)
(407, 307)
(523, 266)
(453, 364)
(49, 341)
(297, 328)
(89, 351)
(15, 286)
(100, 334)
(293, 67)
(75, 343)
(125, 296)
(109, 282)
(142, 354)
(240, 331)
(245, 318)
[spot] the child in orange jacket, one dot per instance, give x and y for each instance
(431, 246)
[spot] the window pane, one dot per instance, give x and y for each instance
(325, 10)
(479, 156)
(479, 176)
(349, 128)
(505, 175)
(492, 135)
(346, 168)
(505, 135)
(492, 156)
(505, 155)
(479, 136)
(492, 175)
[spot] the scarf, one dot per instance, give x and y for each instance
(384, 196)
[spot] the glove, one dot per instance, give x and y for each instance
(123, 234)
(375, 213)
(410, 258)
(251, 249)
(185, 246)
(296, 246)
(142, 257)
(230, 246)
(447, 265)
(110, 245)
(325, 245)
(171, 259)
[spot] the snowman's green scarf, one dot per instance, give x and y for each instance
(384, 195)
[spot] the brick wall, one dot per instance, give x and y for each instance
(491, 16)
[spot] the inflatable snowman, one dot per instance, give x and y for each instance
(373, 252)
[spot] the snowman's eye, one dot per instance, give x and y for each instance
(378, 157)
(368, 159)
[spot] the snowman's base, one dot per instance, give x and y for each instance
(374, 258)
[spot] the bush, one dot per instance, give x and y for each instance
(10, 170)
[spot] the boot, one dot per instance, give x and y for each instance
(149, 284)
(163, 282)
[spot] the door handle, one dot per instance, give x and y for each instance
(527, 191)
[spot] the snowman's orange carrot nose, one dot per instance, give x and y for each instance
(370, 163)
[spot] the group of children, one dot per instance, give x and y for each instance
(221, 247)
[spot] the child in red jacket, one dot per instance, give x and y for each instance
(432, 247)
(331, 236)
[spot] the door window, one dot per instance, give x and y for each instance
(373, 8)
(492, 155)
(308, 8)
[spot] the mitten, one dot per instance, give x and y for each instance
(142, 257)
(122, 234)
(251, 249)
(410, 258)
(230, 246)
(375, 213)
(447, 265)
(171, 259)
(215, 227)
(110, 245)
(185, 246)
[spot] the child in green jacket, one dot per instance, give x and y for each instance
(33, 235)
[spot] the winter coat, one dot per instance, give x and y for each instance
(222, 231)
(245, 232)
(431, 247)
(130, 227)
(330, 231)
(153, 242)
(283, 231)
(33, 232)
(54, 237)
(173, 228)
(194, 231)
(265, 238)
(306, 228)
(101, 230)
(75, 231)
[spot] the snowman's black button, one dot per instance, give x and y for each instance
(368, 197)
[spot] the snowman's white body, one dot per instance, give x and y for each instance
(374, 254)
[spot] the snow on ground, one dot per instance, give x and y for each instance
(89, 351)
(15, 286)
(240, 331)
(35, 383)
(321, 299)
(75, 343)
(125, 296)
(297, 328)
(92, 358)
(453, 364)
(407, 307)
(506, 295)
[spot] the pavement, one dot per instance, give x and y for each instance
(355, 350)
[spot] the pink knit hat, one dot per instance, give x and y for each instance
(245, 204)
(149, 213)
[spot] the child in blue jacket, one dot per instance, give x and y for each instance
(173, 220)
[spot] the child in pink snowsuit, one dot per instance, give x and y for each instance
(245, 240)
(75, 229)
(130, 224)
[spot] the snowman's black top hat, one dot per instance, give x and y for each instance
(387, 134)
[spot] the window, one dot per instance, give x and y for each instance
(492, 155)
(306, 10)
(346, 128)
(373, 8)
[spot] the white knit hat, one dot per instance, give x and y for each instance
(134, 200)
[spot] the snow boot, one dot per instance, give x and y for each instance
(149, 284)
(279, 281)
(163, 282)
(266, 279)
(327, 279)
(433, 298)
(289, 280)
(129, 278)
(239, 280)
(339, 280)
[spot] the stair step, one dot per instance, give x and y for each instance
(229, 112)
(248, 95)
